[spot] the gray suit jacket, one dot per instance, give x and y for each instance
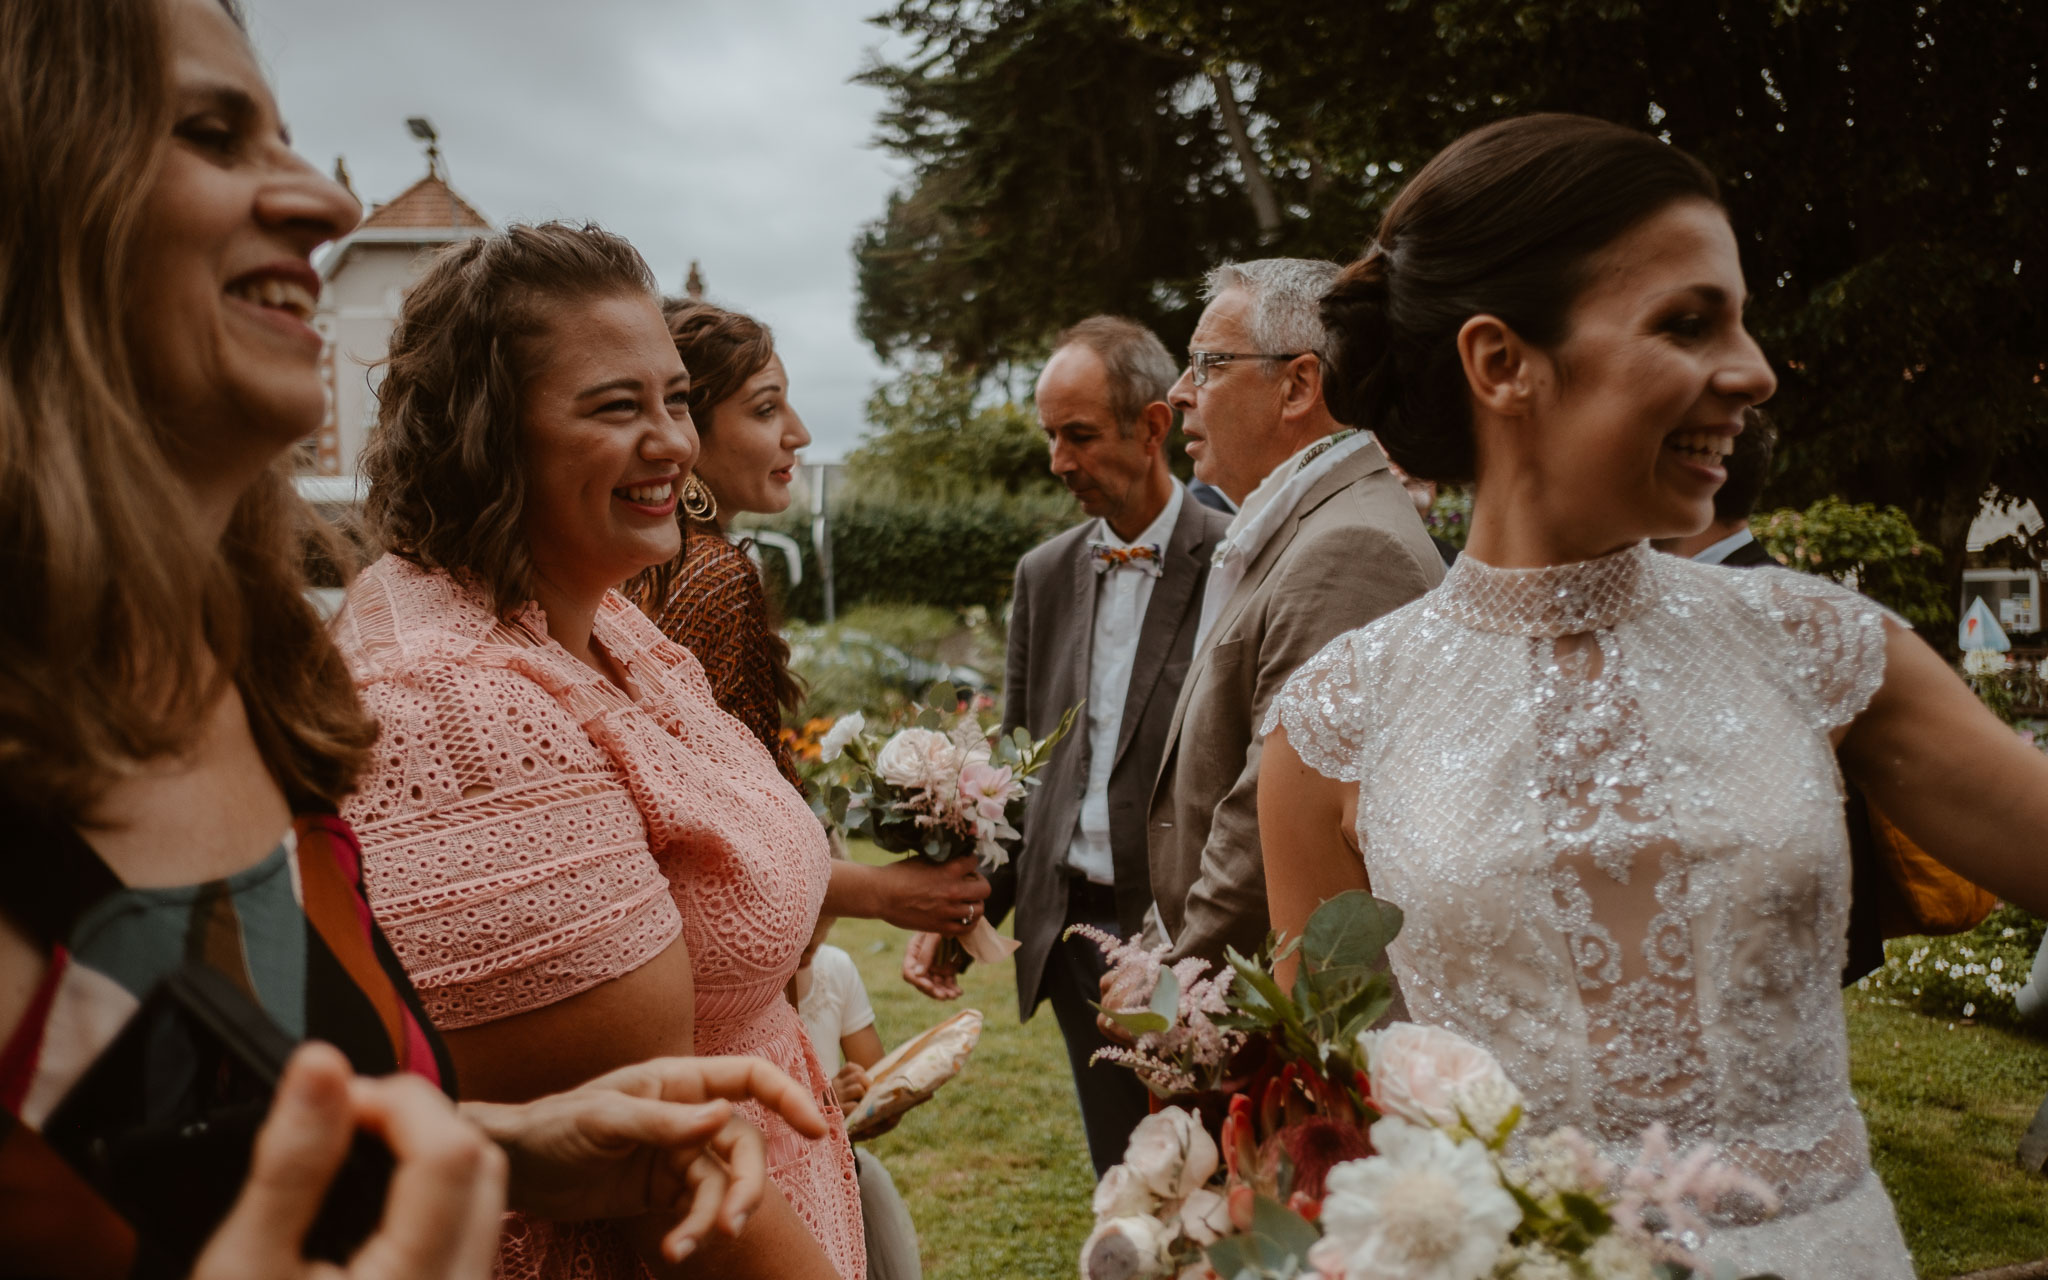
(1052, 626)
(1354, 549)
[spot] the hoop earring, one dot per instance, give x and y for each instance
(698, 502)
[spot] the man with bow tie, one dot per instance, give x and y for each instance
(1105, 613)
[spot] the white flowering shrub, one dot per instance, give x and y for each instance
(1963, 975)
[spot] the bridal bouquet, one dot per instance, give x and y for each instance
(1354, 1154)
(938, 788)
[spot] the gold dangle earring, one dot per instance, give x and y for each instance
(698, 502)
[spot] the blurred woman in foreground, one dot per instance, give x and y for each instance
(168, 695)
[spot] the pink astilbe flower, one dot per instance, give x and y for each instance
(1663, 1195)
(1168, 1061)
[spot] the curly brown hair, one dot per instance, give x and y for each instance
(445, 489)
(124, 618)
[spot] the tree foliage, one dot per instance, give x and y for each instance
(1882, 161)
(1062, 168)
(930, 436)
(1877, 552)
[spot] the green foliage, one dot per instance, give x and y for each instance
(1059, 169)
(928, 438)
(877, 658)
(1276, 1247)
(1876, 551)
(955, 553)
(1450, 516)
(1339, 988)
(1961, 975)
(1882, 164)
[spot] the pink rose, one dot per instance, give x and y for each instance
(1439, 1079)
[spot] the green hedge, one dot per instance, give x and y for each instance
(953, 555)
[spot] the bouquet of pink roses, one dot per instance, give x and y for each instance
(940, 787)
(1348, 1153)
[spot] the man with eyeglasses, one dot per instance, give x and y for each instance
(1325, 540)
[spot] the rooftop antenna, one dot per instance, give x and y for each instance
(423, 129)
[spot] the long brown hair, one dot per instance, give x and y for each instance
(721, 349)
(122, 619)
(1502, 222)
(446, 487)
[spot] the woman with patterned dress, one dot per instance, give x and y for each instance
(177, 727)
(1601, 783)
(580, 859)
(709, 600)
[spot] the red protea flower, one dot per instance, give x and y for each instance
(1315, 1146)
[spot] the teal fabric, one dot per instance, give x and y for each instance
(250, 925)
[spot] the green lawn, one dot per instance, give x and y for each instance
(996, 1172)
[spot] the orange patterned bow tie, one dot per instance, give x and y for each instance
(1144, 557)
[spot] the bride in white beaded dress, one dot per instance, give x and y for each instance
(1601, 782)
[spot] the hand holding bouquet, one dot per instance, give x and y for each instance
(940, 788)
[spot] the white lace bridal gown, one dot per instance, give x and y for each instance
(1605, 798)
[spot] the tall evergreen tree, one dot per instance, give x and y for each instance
(1062, 166)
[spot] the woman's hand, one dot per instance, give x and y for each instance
(442, 1211)
(915, 894)
(656, 1138)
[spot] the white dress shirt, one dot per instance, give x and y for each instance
(1720, 551)
(1121, 598)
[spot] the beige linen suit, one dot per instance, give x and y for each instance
(1353, 549)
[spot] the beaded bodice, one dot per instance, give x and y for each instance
(1605, 797)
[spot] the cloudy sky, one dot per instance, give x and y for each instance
(718, 130)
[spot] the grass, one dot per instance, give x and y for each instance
(995, 1169)
(1946, 1103)
(996, 1174)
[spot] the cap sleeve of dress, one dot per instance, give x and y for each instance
(504, 857)
(1325, 710)
(1835, 639)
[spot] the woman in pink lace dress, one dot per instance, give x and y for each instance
(580, 859)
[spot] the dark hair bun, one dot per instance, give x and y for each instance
(1500, 223)
(1354, 312)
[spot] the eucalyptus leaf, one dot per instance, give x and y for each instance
(1586, 1213)
(1350, 930)
(1138, 1021)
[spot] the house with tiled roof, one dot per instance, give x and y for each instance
(364, 278)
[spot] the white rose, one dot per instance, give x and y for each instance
(1123, 1194)
(844, 730)
(1434, 1077)
(905, 760)
(1205, 1217)
(1171, 1152)
(1126, 1249)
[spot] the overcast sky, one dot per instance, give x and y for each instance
(720, 130)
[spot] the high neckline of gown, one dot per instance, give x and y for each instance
(1551, 601)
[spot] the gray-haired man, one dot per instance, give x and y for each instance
(1325, 540)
